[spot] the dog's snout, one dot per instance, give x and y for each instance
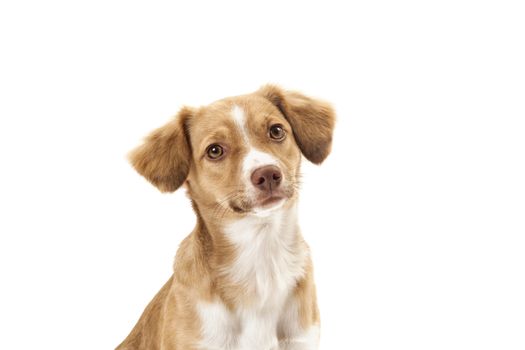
(267, 178)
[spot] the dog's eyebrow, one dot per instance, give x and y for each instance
(272, 115)
(217, 135)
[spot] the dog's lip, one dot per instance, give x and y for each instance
(270, 200)
(261, 203)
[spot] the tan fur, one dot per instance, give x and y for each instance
(174, 155)
(164, 158)
(312, 121)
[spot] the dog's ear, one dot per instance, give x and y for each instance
(164, 157)
(312, 120)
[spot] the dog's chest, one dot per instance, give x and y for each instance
(269, 258)
(268, 263)
(241, 329)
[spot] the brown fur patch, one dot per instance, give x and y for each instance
(306, 296)
(164, 157)
(312, 120)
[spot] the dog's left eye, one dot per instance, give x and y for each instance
(277, 132)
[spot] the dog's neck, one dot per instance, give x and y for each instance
(279, 225)
(263, 253)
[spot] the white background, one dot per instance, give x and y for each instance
(416, 220)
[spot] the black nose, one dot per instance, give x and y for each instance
(267, 178)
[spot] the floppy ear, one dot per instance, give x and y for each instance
(164, 157)
(312, 120)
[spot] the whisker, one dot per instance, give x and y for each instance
(220, 209)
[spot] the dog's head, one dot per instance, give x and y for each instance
(240, 155)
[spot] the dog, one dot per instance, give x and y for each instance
(242, 279)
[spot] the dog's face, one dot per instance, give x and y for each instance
(244, 156)
(240, 155)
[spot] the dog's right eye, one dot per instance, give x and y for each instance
(214, 152)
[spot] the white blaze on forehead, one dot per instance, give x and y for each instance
(240, 120)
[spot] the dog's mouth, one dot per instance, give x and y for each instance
(264, 203)
(271, 200)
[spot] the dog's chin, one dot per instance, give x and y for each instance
(268, 206)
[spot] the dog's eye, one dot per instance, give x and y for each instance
(277, 132)
(214, 151)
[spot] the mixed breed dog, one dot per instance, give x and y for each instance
(242, 279)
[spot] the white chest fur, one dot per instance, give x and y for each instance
(269, 257)
(269, 262)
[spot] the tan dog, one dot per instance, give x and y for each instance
(243, 278)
